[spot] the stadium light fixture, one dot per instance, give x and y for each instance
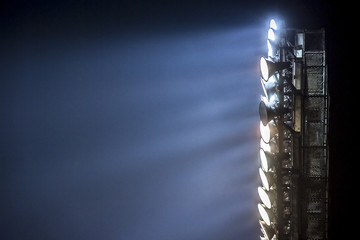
(266, 113)
(265, 214)
(271, 35)
(265, 197)
(265, 132)
(267, 160)
(268, 131)
(267, 179)
(273, 24)
(266, 230)
(272, 49)
(265, 146)
(268, 67)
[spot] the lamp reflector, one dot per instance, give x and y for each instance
(269, 67)
(265, 112)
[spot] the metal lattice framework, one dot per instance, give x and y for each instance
(294, 128)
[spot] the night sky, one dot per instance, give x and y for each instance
(135, 120)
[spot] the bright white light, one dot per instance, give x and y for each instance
(264, 197)
(264, 179)
(265, 132)
(264, 88)
(264, 160)
(264, 214)
(271, 35)
(273, 24)
(265, 146)
(264, 69)
(271, 52)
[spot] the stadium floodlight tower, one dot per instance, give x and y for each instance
(294, 123)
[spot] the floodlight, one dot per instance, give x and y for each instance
(271, 49)
(269, 67)
(265, 132)
(268, 231)
(265, 146)
(267, 179)
(271, 147)
(267, 160)
(268, 131)
(266, 113)
(265, 214)
(273, 24)
(271, 35)
(265, 197)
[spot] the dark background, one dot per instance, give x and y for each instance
(35, 128)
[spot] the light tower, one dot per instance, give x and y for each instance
(294, 127)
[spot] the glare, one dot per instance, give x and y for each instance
(264, 69)
(273, 24)
(271, 35)
(264, 215)
(271, 52)
(264, 197)
(265, 146)
(264, 179)
(264, 160)
(265, 132)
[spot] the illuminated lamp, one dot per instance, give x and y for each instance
(267, 160)
(269, 67)
(269, 147)
(268, 131)
(265, 214)
(268, 232)
(271, 35)
(265, 132)
(272, 48)
(265, 146)
(267, 179)
(265, 197)
(273, 24)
